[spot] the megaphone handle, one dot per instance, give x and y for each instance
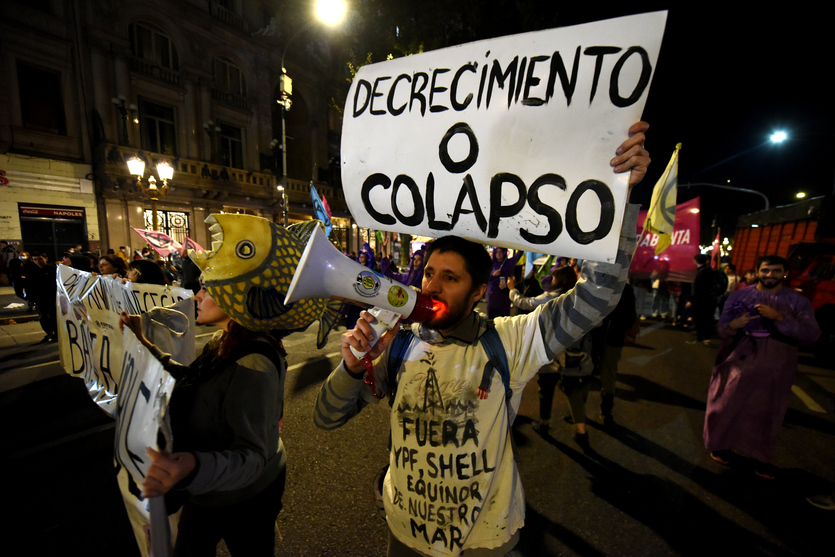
(383, 321)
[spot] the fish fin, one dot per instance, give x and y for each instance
(328, 320)
(265, 303)
(304, 230)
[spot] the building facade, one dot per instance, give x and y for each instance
(193, 83)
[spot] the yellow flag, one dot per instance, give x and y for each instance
(662, 209)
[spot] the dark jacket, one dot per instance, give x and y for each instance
(41, 285)
(613, 329)
(703, 285)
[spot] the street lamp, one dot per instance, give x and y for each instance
(778, 137)
(742, 190)
(136, 167)
(283, 204)
(329, 12)
(775, 138)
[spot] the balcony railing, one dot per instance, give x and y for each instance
(212, 181)
(228, 17)
(230, 98)
(154, 70)
(197, 175)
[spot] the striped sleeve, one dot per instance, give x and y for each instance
(339, 400)
(529, 303)
(566, 319)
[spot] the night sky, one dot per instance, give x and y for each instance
(724, 83)
(726, 79)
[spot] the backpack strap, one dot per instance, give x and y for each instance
(397, 353)
(492, 344)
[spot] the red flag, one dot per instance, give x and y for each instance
(714, 257)
(326, 206)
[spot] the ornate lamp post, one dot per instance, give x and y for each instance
(136, 167)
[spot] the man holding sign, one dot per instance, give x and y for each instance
(506, 142)
(452, 484)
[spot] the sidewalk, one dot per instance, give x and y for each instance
(21, 313)
(19, 334)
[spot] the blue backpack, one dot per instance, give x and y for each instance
(491, 343)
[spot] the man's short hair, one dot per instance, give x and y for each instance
(769, 260)
(700, 259)
(731, 266)
(476, 261)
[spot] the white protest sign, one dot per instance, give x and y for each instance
(143, 399)
(90, 343)
(505, 141)
(121, 375)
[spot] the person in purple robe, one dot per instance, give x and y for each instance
(498, 301)
(750, 389)
(352, 312)
(413, 275)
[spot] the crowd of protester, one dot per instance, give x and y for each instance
(714, 296)
(32, 274)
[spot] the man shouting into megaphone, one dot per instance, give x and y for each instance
(455, 384)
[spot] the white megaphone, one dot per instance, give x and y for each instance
(325, 272)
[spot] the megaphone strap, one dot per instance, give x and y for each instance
(369, 376)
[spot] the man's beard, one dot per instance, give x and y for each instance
(770, 283)
(451, 315)
(446, 319)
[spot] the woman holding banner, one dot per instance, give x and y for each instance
(144, 271)
(110, 265)
(228, 462)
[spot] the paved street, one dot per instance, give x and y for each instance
(647, 487)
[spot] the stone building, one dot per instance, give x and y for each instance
(90, 84)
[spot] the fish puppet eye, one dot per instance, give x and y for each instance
(245, 249)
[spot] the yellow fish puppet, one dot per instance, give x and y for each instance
(249, 269)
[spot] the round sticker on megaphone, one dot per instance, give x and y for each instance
(397, 296)
(368, 284)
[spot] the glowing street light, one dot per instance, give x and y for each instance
(136, 167)
(778, 137)
(329, 12)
